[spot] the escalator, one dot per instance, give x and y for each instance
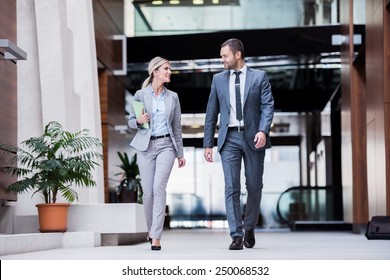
(310, 208)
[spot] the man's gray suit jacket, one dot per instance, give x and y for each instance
(258, 108)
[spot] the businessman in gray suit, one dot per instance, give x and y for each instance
(242, 98)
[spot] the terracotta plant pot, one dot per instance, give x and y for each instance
(53, 217)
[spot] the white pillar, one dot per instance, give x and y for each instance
(58, 81)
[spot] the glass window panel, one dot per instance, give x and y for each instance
(196, 192)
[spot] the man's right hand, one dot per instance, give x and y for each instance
(208, 154)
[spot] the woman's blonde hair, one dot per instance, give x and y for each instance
(154, 64)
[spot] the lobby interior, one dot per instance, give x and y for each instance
(321, 58)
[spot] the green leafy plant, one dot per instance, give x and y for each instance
(130, 178)
(51, 163)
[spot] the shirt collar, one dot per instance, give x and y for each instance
(243, 70)
(162, 93)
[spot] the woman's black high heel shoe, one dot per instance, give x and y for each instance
(150, 240)
(156, 248)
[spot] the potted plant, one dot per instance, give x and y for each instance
(129, 189)
(50, 165)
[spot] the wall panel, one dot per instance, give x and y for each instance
(387, 168)
(112, 103)
(353, 115)
(376, 42)
(108, 22)
(346, 130)
(386, 26)
(8, 86)
(359, 143)
(108, 51)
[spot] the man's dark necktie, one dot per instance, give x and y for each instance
(238, 96)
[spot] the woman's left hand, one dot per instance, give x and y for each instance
(181, 162)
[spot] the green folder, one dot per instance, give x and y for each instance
(138, 106)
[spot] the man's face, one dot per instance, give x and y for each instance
(228, 59)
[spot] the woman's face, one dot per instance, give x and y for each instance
(163, 73)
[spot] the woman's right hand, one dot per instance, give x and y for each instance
(143, 118)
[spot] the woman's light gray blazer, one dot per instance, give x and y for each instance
(173, 115)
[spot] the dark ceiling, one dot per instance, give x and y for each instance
(291, 57)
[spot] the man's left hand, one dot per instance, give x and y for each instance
(260, 139)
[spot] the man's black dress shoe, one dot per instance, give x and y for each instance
(249, 239)
(156, 248)
(236, 244)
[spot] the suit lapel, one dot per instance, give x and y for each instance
(168, 105)
(248, 82)
(148, 99)
(225, 85)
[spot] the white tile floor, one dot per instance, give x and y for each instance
(206, 244)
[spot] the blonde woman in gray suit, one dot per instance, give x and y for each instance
(158, 144)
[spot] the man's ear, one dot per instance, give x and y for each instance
(238, 54)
